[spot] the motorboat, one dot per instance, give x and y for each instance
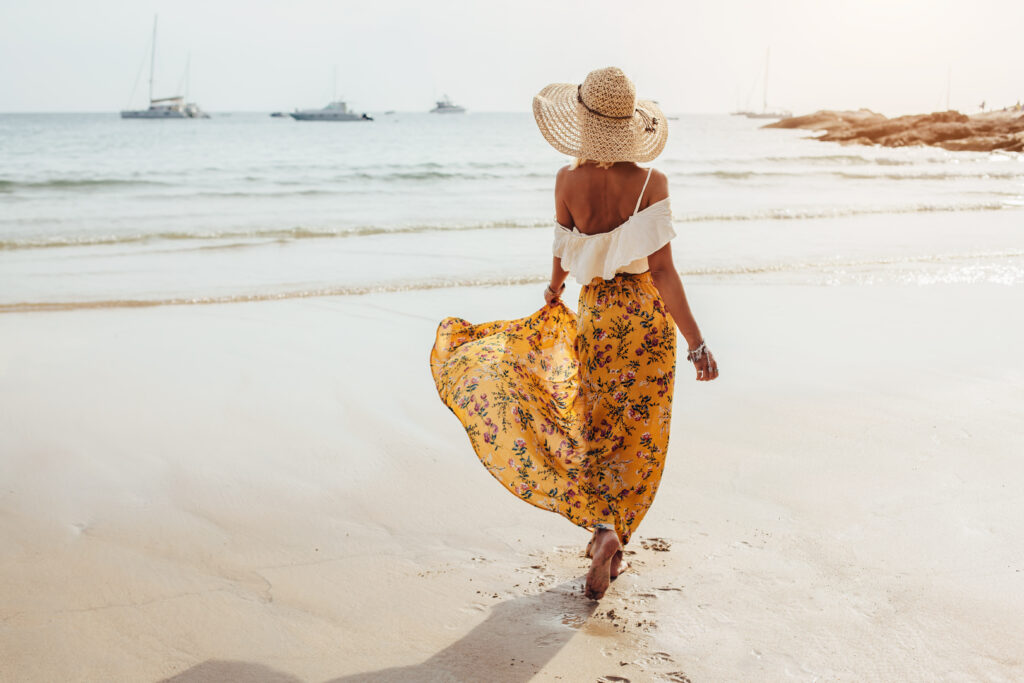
(446, 106)
(335, 111)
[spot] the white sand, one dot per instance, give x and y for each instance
(273, 492)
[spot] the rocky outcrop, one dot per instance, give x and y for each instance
(999, 130)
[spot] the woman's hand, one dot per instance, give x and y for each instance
(557, 284)
(707, 368)
(550, 295)
(703, 362)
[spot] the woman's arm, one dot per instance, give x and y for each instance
(666, 279)
(557, 284)
(564, 218)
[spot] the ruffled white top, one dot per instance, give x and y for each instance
(621, 250)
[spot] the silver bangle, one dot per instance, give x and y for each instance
(696, 354)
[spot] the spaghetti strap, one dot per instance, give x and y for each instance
(640, 198)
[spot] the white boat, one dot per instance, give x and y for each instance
(445, 106)
(173, 107)
(765, 113)
(782, 114)
(335, 111)
(167, 108)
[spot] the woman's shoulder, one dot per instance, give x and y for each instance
(657, 188)
(657, 175)
(562, 179)
(658, 181)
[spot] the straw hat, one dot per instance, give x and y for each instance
(601, 119)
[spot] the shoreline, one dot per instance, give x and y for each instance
(265, 489)
(924, 246)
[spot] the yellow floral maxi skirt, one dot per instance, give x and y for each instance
(571, 414)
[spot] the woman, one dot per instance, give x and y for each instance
(572, 413)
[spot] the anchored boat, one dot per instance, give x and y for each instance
(335, 111)
(765, 113)
(446, 106)
(173, 107)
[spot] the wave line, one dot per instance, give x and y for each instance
(449, 283)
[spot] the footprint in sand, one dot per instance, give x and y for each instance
(655, 543)
(550, 639)
(613, 679)
(655, 658)
(573, 620)
(676, 677)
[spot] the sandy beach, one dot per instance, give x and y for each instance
(272, 492)
(230, 231)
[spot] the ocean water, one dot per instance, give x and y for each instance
(99, 211)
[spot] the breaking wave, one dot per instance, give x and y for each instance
(71, 183)
(258, 236)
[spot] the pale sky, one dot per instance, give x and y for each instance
(889, 55)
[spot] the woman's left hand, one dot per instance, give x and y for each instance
(707, 368)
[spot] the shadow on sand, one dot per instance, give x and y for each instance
(518, 638)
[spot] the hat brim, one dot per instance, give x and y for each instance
(573, 130)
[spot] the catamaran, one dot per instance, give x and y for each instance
(174, 107)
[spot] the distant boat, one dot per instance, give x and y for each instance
(765, 113)
(167, 108)
(335, 111)
(782, 114)
(446, 106)
(279, 115)
(173, 107)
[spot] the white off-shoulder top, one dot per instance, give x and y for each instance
(621, 250)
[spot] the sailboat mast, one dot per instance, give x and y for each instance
(949, 83)
(152, 59)
(764, 102)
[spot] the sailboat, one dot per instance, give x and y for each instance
(765, 113)
(173, 107)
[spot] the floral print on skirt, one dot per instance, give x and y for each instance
(570, 413)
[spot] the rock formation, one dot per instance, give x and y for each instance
(997, 130)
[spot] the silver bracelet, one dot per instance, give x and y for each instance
(553, 292)
(696, 354)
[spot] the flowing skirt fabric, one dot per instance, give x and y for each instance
(569, 412)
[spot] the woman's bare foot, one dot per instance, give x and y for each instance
(619, 564)
(604, 547)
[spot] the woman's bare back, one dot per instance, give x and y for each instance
(595, 200)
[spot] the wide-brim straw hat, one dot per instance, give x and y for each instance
(601, 119)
